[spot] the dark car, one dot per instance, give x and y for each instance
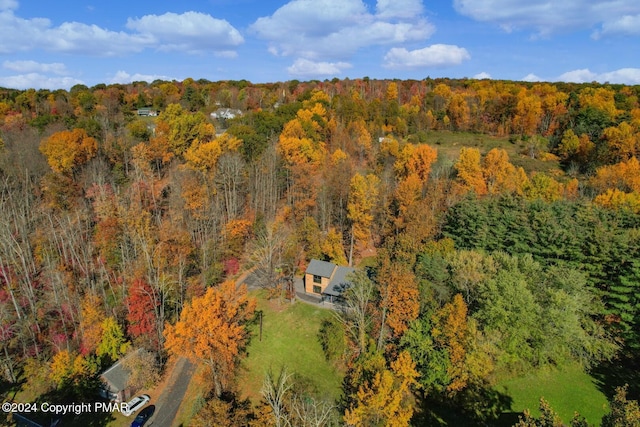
(143, 416)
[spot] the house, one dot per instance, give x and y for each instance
(147, 112)
(115, 381)
(226, 113)
(326, 279)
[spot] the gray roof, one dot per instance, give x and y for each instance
(320, 268)
(339, 282)
(117, 375)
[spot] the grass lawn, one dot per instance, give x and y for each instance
(289, 338)
(567, 390)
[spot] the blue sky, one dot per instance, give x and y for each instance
(59, 44)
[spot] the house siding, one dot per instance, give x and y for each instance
(309, 283)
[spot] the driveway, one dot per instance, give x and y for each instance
(169, 401)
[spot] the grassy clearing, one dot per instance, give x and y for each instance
(568, 390)
(289, 338)
(449, 144)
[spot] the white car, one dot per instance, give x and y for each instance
(134, 404)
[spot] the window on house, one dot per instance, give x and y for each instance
(317, 279)
(317, 289)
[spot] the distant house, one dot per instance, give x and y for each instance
(147, 112)
(226, 113)
(115, 381)
(326, 279)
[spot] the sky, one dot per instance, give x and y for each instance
(55, 45)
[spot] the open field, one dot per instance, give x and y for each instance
(449, 144)
(567, 390)
(290, 339)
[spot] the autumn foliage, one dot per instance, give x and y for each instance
(212, 330)
(65, 150)
(142, 303)
(524, 197)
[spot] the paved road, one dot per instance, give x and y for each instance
(169, 401)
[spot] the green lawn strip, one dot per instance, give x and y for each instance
(289, 338)
(567, 390)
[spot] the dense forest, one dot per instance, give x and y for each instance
(496, 225)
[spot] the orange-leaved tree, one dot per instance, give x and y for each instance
(420, 162)
(212, 330)
(399, 297)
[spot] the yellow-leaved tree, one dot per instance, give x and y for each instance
(363, 196)
(500, 175)
(385, 399)
(450, 331)
(470, 171)
(68, 149)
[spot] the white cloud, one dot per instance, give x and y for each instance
(627, 24)
(190, 31)
(38, 81)
(481, 76)
(547, 17)
(122, 77)
(33, 66)
(305, 68)
(398, 8)
(8, 4)
(628, 76)
(18, 34)
(531, 78)
(437, 55)
(336, 29)
(578, 76)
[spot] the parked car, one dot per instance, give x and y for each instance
(134, 404)
(143, 416)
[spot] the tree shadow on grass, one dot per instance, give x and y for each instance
(616, 373)
(477, 405)
(8, 390)
(80, 403)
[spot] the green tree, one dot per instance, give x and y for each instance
(113, 344)
(333, 339)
